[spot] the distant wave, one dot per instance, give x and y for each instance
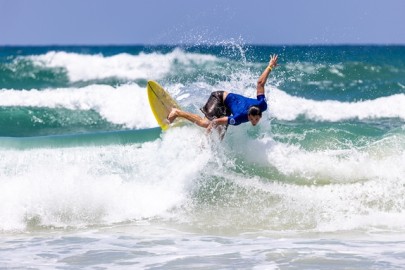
(287, 107)
(82, 67)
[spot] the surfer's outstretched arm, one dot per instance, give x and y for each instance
(263, 78)
(194, 118)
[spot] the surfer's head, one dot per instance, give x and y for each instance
(254, 115)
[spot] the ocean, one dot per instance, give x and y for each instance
(89, 181)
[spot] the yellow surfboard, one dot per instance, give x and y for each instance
(161, 103)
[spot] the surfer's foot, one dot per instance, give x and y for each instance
(172, 115)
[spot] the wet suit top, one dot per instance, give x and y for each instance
(234, 104)
(239, 106)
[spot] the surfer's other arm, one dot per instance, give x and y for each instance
(223, 121)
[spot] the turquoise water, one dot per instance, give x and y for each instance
(88, 180)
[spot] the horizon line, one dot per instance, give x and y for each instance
(197, 45)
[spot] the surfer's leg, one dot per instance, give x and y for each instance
(194, 118)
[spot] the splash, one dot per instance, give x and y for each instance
(100, 185)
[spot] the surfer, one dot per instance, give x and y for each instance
(224, 108)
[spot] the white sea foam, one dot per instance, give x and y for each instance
(346, 188)
(342, 189)
(286, 107)
(123, 105)
(326, 190)
(99, 185)
(377, 161)
(82, 67)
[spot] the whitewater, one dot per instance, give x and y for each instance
(88, 180)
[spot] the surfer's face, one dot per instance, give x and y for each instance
(254, 119)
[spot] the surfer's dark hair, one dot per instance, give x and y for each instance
(254, 110)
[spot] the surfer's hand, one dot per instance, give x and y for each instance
(173, 115)
(273, 60)
(211, 125)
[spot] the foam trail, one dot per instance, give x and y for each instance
(123, 105)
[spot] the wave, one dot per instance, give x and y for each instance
(309, 72)
(185, 178)
(381, 159)
(287, 107)
(315, 163)
(99, 185)
(85, 67)
(284, 106)
(125, 105)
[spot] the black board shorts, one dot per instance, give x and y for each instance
(215, 106)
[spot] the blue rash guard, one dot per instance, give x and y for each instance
(239, 106)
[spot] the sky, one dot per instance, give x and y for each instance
(266, 22)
